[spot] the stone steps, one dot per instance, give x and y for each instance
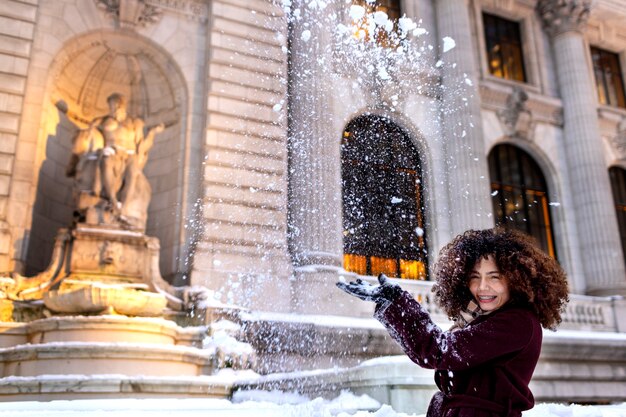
(108, 328)
(64, 387)
(107, 356)
(141, 359)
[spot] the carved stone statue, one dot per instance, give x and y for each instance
(107, 165)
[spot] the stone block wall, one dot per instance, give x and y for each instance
(17, 26)
(243, 246)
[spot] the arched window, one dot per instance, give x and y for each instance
(383, 217)
(520, 195)
(618, 184)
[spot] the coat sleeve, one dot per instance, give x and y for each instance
(500, 333)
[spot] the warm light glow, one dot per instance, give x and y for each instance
(412, 269)
(355, 263)
(385, 266)
(361, 27)
(409, 269)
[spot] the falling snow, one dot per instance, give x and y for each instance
(448, 44)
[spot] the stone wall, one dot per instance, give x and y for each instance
(242, 252)
(17, 27)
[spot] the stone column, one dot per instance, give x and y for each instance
(598, 240)
(464, 150)
(315, 209)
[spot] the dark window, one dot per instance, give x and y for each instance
(383, 217)
(504, 48)
(608, 73)
(618, 183)
(391, 7)
(520, 196)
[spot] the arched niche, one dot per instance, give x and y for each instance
(83, 74)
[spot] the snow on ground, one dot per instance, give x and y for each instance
(258, 404)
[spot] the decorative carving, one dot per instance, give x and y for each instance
(560, 16)
(516, 118)
(111, 7)
(618, 142)
(131, 13)
(107, 254)
(143, 12)
(194, 9)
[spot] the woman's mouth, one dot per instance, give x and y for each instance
(486, 298)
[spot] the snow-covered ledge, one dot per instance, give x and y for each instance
(575, 366)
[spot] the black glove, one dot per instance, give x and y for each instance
(386, 291)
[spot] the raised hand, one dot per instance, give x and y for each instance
(376, 293)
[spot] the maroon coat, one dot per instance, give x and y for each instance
(483, 369)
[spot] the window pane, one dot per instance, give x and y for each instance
(382, 203)
(504, 48)
(519, 195)
(390, 7)
(618, 184)
(608, 75)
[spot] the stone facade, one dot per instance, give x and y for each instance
(247, 186)
(229, 209)
(246, 177)
(17, 35)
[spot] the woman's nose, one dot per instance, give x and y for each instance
(483, 284)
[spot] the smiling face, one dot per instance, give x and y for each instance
(489, 288)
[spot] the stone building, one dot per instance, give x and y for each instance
(262, 180)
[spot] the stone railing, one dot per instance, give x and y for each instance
(586, 313)
(594, 313)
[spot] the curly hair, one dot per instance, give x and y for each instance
(535, 279)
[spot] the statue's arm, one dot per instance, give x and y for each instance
(145, 145)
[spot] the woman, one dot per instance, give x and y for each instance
(500, 290)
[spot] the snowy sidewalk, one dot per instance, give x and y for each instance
(269, 404)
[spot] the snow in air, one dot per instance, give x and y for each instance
(448, 44)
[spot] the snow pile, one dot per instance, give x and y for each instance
(275, 404)
(228, 351)
(559, 410)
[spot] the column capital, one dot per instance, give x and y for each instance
(560, 16)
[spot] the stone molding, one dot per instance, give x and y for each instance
(560, 16)
(142, 13)
(197, 10)
(131, 13)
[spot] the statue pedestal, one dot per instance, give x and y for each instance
(98, 298)
(112, 256)
(99, 269)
